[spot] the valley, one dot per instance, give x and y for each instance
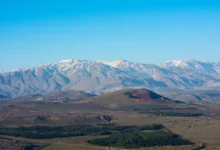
(109, 75)
(137, 108)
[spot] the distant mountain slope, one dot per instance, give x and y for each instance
(70, 94)
(3, 97)
(195, 96)
(129, 96)
(61, 95)
(99, 77)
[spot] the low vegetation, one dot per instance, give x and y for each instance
(116, 136)
(43, 132)
(180, 114)
(136, 139)
(107, 118)
(12, 144)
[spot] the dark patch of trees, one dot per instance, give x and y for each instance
(118, 136)
(107, 118)
(180, 114)
(31, 147)
(166, 108)
(44, 132)
(41, 118)
(137, 139)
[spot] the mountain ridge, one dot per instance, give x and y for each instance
(102, 76)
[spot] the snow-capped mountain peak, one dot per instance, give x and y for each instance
(188, 64)
(179, 63)
(67, 61)
(104, 76)
(116, 63)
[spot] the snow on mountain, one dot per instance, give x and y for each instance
(117, 63)
(103, 76)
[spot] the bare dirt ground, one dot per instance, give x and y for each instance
(200, 130)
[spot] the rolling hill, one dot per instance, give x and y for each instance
(130, 96)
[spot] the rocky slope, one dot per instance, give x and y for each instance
(98, 77)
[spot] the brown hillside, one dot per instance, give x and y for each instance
(129, 96)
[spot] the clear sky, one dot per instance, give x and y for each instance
(34, 32)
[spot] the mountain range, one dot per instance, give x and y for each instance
(97, 77)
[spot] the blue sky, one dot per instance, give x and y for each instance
(34, 32)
